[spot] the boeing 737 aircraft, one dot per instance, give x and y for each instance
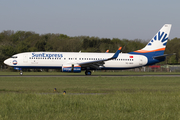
(152, 53)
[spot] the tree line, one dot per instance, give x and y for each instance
(26, 41)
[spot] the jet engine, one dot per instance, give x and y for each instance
(71, 68)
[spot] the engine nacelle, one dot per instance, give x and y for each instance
(71, 68)
(16, 68)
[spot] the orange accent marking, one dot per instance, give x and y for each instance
(120, 48)
(147, 51)
(77, 66)
(107, 51)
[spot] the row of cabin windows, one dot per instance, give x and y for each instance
(124, 59)
(81, 59)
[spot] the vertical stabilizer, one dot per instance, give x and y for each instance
(158, 42)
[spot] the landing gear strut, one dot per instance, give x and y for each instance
(87, 72)
(21, 72)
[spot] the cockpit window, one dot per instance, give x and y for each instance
(14, 57)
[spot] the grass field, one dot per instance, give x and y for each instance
(90, 98)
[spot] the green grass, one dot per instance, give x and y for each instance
(90, 98)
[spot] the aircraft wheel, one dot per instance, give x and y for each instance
(21, 73)
(87, 72)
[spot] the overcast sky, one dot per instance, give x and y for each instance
(130, 19)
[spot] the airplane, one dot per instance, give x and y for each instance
(75, 62)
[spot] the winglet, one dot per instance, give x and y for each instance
(116, 54)
(107, 51)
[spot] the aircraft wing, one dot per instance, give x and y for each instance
(97, 63)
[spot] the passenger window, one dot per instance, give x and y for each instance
(14, 57)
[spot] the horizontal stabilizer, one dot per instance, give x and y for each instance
(163, 56)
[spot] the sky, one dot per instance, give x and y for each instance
(123, 19)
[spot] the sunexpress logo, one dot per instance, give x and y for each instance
(159, 37)
(47, 55)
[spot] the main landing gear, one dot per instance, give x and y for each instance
(87, 72)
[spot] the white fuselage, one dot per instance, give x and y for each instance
(58, 59)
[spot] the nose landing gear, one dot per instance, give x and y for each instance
(21, 73)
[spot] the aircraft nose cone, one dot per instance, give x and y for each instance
(6, 62)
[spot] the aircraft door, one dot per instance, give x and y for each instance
(25, 58)
(141, 60)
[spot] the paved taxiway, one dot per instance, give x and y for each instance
(176, 75)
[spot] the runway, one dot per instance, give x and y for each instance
(159, 75)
